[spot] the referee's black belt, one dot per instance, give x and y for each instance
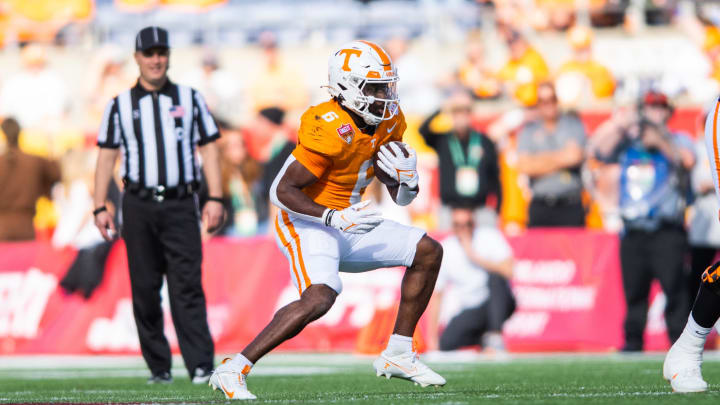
(161, 193)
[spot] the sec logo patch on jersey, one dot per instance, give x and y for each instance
(346, 133)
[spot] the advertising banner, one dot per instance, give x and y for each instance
(567, 285)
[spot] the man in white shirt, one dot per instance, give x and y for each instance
(477, 263)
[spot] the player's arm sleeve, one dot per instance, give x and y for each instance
(205, 126)
(109, 132)
(404, 194)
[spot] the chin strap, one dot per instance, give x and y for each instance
(405, 195)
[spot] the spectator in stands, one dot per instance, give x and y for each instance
(222, 89)
(277, 146)
(582, 78)
(477, 265)
(557, 14)
(475, 74)
(524, 69)
(37, 96)
(23, 179)
(703, 224)
(550, 153)
(277, 83)
(239, 179)
(467, 158)
(504, 132)
(654, 164)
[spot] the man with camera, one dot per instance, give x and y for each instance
(654, 182)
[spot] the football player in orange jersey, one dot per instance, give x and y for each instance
(323, 227)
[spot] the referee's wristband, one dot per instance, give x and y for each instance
(216, 199)
(99, 210)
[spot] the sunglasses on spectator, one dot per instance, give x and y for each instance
(467, 224)
(547, 100)
(155, 51)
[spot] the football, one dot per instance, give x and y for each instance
(380, 174)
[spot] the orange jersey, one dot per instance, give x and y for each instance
(332, 147)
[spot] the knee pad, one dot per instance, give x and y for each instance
(711, 278)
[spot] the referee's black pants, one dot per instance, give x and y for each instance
(645, 256)
(163, 238)
(468, 327)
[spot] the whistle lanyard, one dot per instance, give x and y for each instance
(474, 151)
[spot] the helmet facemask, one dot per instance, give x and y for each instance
(374, 100)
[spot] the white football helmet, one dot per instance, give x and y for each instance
(363, 78)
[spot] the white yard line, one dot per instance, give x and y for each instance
(291, 361)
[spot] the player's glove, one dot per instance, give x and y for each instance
(353, 219)
(401, 168)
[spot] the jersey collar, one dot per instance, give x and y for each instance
(165, 89)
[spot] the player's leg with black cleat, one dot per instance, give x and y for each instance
(399, 359)
(682, 367)
(230, 376)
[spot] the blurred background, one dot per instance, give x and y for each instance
(477, 65)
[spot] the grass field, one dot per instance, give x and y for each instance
(561, 379)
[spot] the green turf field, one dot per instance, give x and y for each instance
(605, 379)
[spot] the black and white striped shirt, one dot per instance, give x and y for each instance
(158, 133)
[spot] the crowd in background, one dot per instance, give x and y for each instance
(547, 80)
(538, 113)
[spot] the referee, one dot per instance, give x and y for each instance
(156, 127)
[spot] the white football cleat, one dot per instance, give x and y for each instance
(230, 381)
(407, 366)
(682, 369)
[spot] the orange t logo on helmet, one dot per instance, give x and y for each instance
(348, 53)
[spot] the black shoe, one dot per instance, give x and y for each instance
(162, 377)
(629, 348)
(201, 375)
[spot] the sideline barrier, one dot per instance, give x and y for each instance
(567, 284)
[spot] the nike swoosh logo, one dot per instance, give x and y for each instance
(392, 127)
(403, 369)
(345, 219)
(406, 172)
(230, 394)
